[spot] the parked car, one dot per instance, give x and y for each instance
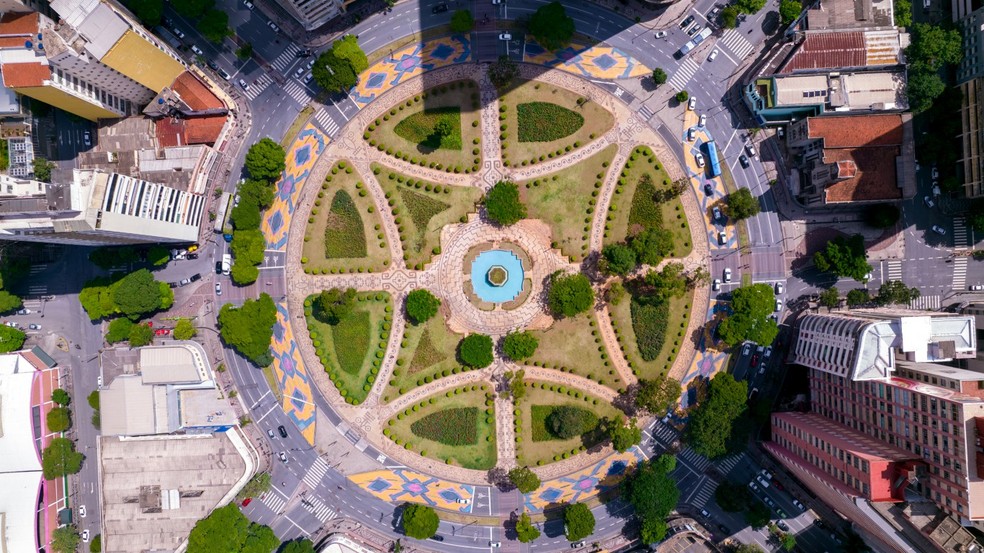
(299, 72)
(694, 30)
(462, 501)
(713, 56)
(692, 104)
(687, 21)
(716, 213)
(691, 134)
(85, 536)
(184, 282)
(779, 288)
(722, 237)
(212, 65)
(755, 360)
(746, 350)
(81, 511)
(87, 138)
(247, 501)
(977, 287)
(727, 274)
(699, 158)
(767, 353)
(34, 326)
(273, 26)
(750, 149)
(702, 120)
(708, 189)
(716, 285)
(440, 8)
(195, 277)
(177, 32)
(778, 305)
(505, 36)
(218, 267)
(197, 50)
(23, 311)
(939, 230)
(744, 161)
(781, 133)
(928, 201)
(249, 5)
(936, 173)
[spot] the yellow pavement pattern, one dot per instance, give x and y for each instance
(597, 62)
(410, 62)
(402, 485)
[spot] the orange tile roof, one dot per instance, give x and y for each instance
(875, 176)
(19, 24)
(853, 131)
(828, 50)
(169, 132)
(195, 93)
(8, 42)
(24, 74)
(204, 130)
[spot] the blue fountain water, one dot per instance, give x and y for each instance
(514, 280)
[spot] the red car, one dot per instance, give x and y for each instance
(247, 501)
(755, 360)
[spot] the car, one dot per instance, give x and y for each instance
(798, 505)
(724, 529)
(299, 72)
(936, 173)
(440, 8)
(727, 274)
(308, 77)
(722, 237)
(23, 311)
(247, 501)
(977, 287)
(87, 138)
(769, 502)
(713, 56)
(11, 324)
(34, 326)
(708, 189)
(781, 513)
(248, 4)
(691, 134)
(936, 191)
(282, 431)
(305, 53)
(746, 350)
(218, 288)
(759, 349)
(752, 486)
(99, 382)
(223, 74)
(778, 485)
(311, 63)
(716, 213)
(744, 161)
(767, 353)
(764, 473)
(167, 22)
(462, 501)
(939, 230)
(212, 65)
(195, 277)
(243, 84)
(783, 526)
(81, 511)
(755, 360)
(702, 120)
(495, 544)
(505, 36)
(762, 481)
(496, 2)
(270, 433)
(661, 34)
(692, 104)
(704, 513)
(699, 158)
(779, 288)
(928, 201)
(197, 50)
(927, 4)
(178, 32)
(85, 536)
(283, 457)
(750, 149)
(438, 537)
(781, 133)
(577, 544)
(184, 282)
(687, 21)
(778, 306)
(273, 26)
(192, 256)
(716, 285)
(218, 267)
(694, 30)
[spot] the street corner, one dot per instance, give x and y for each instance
(584, 484)
(402, 485)
(292, 376)
(408, 63)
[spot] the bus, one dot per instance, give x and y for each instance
(712, 159)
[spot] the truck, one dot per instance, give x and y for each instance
(226, 264)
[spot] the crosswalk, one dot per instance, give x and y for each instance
(926, 303)
(297, 92)
(327, 123)
(274, 501)
(959, 273)
(286, 57)
(664, 433)
(37, 289)
(316, 473)
(704, 493)
(959, 233)
(320, 511)
(683, 75)
(726, 465)
(894, 269)
(258, 86)
(734, 41)
(645, 113)
(694, 460)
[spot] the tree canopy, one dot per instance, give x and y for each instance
(858, 296)
(623, 435)
(462, 21)
(299, 545)
(246, 216)
(249, 328)
(519, 345)
(147, 11)
(59, 419)
(658, 395)
(659, 76)
(711, 422)
(214, 25)
(881, 215)
(140, 335)
(524, 479)
(844, 257)
(60, 458)
(266, 160)
(525, 530)
(257, 485)
(334, 305)
(184, 330)
(668, 282)
(192, 9)
(65, 539)
(9, 302)
(338, 68)
(475, 350)
(789, 10)
(502, 204)
(742, 204)
(570, 294)
(227, 529)
(419, 521)
(652, 245)
(133, 295)
(749, 319)
(617, 259)
(421, 306)
(931, 48)
(579, 521)
(729, 17)
(895, 291)
(11, 339)
(60, 396)
(567, 421)
(551, 26)
(653, 492)
(830, 297)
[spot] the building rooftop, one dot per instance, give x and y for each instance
(22, 75)
(846, 50)
(195, 94)
(177, 364)
(127, 406)
(850, 14)
(854, 131)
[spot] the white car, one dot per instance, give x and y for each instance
(713, 56)
(218, 289)
(197, 50)
(936, 173)
(691, 134)
(779, 288)
(939, 230)
(716, 285)
(243, 84)
(767, 353)
(273, 26)
(249, 5)
(463, 501)
(727, 274)
(99, 382)
(505, 36)
(699, 158)
(722, 237)
(778, 306)
(928, 201)
(81, 511)
(85, 536)
(702, 120)
(750, 149)
(746, 350)
(716, 213)
(283, 457)
(692, 104)
(977, 287)
(661, 34)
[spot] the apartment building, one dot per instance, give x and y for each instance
(312, 14)
(970, 79)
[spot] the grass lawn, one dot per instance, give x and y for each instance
(540, 121)
(351, 352)
(428, 352)
(566, 199)
(574, 345)
(422, 209)
(632, 208)
(407, 130)
(344, 232)
(457, 427)
(535, 444)
(676, 333)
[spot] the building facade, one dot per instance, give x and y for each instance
(970, 79)
(312, 14)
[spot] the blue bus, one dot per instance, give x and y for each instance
(712, 159)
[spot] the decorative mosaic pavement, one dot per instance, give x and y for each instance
(410, 62)
(402, 485)
(698, 179)
(597, 62)
(709, 360)
(292, 375)
(301, 156)
(583, 485)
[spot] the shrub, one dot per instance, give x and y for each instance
(570, 294)
(475, 351)
(502, 203)
(344, 233)
(649, 322)
(437, 128)
(519, 345)
(421, 306)
(454, 427)
(544, 122)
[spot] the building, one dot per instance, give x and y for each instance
(312, 14)
(340, 543)
(970, 79)
(850, 14)
(853, 158)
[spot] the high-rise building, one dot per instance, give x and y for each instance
(312, 14)
(970, 78)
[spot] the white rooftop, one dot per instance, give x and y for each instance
(20, 464)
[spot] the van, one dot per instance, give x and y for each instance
(226, 264)
(762, 482)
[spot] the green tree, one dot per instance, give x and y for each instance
(517, 389)
(682, 96)
(566, 421)
(520, 345)
(419, 521)
(119, 330)
(742, 204)
(11, 339)
(749, 6)
(502, 204)
(140, 335)
(895, 291)
(299, 545)
(579, 521)
(830, 297)
(616, 292)
(246, 216)
(502, 72)
(138, 293)
(192, 9)
(335, 304)
(257, 485)
(60, 458)
(227, 529)
(570, 294)
(858, 296)
(749, 318)
(256, 191)
(844, 257)
(245, 51)
(442, 129)
(788, 541)
(421, 306)
(731, 497)
(214, 26)
(265, 160)
(551, 26)
(338, 68)
(656, 396)
(9, 302)
(651, 489)
(903, 13)
(59, 419)
(617, 259)
(653, 530)
(923, 86)
(248, 246)
(524, 479)
(668, 282)
(475, 351)
(934, 46)
(758, 515)
(65, 539)
(249, 328)
(184, 330)
(881, 215)
(60, 397)
(42, 169)
(243, 273)
(95, 546)
(652, 245)
(158, 255)
(525, 531)
(462, 21)
(147, 11)
(659, 76)
(623, 436)
(93, 399)
(729, 17)
(789, 10)
(749, 548)
(711, 422)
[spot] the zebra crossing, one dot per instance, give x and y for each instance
(894, 269)
(959, 233)
(960, 273)
(286, 57)
(726, 465)
(683, 75)
(258, 87)
(664, 433)
(704, 493)
(274, 501)
(320, 511)
(297, 92)
(926, 303)
(737, 43)
(698, 463)
(316, 473)
(327, 123)
(645, 112)
(37, 289)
